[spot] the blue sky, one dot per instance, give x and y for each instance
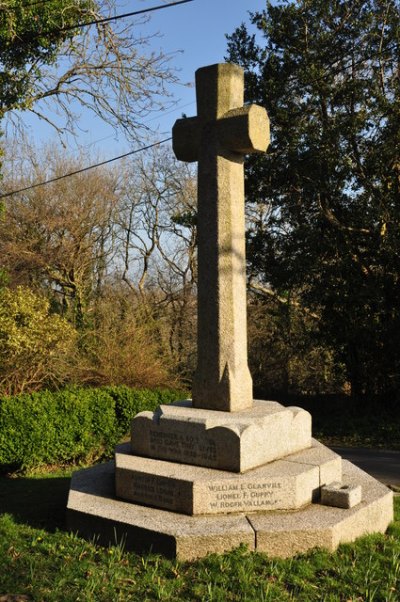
(196, 29)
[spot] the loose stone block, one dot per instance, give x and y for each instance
(230, 441)
(280, 485)
(341, 495)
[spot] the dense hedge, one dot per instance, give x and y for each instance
(71, 425)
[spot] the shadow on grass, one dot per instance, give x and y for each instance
(38, 502)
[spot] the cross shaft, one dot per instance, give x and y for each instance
(218, 138)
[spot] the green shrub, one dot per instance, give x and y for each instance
(129, 402)
(70, 425)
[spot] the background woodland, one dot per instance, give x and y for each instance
(98, 270)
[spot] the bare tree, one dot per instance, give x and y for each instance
(106, 68)
(121, 347)
(60, 237)
(115, 251)
(157, 233)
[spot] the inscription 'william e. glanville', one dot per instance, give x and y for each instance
(244, 496)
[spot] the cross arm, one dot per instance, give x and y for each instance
(186, 139)
(244, 130)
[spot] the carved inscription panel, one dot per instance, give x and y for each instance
(245, 496)
(209, 498)
(154, 491)
(185, 447)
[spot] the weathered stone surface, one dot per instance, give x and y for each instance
(283, 484)
(93, 511)
(225, 440)
(340, 495)
(218, 138)
(286, 534)
(329, 463)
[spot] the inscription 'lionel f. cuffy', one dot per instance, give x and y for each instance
(218, 138)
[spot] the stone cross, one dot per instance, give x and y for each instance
(218, 138)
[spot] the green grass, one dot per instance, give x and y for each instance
(40, 560)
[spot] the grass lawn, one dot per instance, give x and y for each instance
(39, 561)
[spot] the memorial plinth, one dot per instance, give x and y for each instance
(230, 441)
(221, 470)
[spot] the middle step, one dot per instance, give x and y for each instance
(285, 484)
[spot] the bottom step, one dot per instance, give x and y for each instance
(94, 512)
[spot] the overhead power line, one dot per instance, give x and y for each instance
(163, 113)
(83, 24)
(131, 14)
(83, 169)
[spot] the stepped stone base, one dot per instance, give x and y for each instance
(95, 512)
(233, 441)
(325, 526)
(285, 484)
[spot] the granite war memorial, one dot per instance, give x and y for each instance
(207, 474)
